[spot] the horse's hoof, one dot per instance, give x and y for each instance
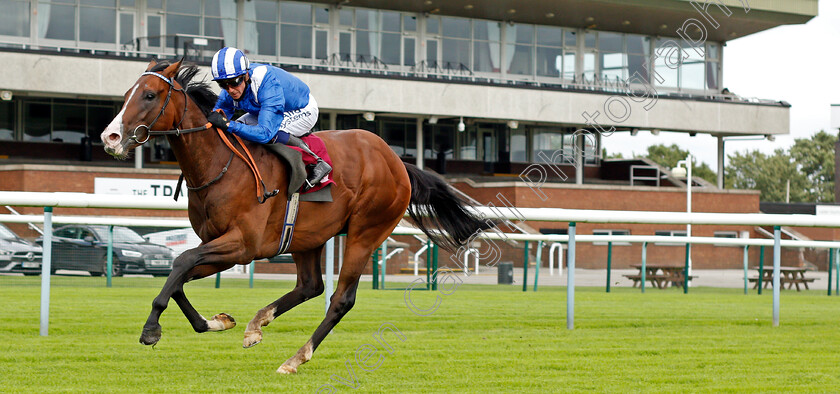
(150, 335)
(252, 338)
(286, 370)
(221, 322)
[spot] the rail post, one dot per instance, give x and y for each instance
(746, 271)
(777, 261)
(644, 265)
(570, 280)
(609, 264)
(46, 272)
(537, 268)
(109, 266)
(760, 269)
(525, 269)
(830, 266)
(685, 272)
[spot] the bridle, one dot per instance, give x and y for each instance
(261, 196)
(177, 130)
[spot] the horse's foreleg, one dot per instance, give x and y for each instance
(309, 285)
(219, 322)
(220, 252)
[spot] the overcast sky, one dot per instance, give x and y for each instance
(794, 63)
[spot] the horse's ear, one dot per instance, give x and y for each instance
(151, 64)
(173, 68)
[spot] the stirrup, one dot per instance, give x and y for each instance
(319, 172)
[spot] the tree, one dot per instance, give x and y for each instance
(767, 173)
(814, 157)
(668, 156)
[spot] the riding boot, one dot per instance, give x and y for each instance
(321, 169)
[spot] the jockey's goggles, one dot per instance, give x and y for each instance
(231, 82)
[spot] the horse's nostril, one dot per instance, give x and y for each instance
(113, 137)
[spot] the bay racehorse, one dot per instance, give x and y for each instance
(372, 191)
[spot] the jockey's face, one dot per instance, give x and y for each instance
(236, 90)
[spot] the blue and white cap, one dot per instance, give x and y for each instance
(229, 62)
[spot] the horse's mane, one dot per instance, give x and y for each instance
(199, 91)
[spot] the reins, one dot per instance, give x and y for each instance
(262, 193)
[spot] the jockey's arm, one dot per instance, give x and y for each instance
(268, 122)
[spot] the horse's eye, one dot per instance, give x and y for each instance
(150, 96)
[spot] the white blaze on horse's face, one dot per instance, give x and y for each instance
(113, 134)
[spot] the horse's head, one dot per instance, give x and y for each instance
(146, 107)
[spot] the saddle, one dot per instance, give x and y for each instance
(298, 172)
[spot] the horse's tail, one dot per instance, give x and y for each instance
(435, 206)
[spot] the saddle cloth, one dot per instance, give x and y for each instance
(297, 161)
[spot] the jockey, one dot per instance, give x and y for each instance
(279, 107)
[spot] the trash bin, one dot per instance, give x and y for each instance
(505, 273)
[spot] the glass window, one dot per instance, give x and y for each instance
(670, 75)
(409, 23)
(322, 15)
(68, 123)
(520, 50)
(14, 18)
(611, 232)
(570, 39)
(98, 24)
(613, 59)
(549, 61)
(154, 4)
(7, 120)
(433, 25)
(390, 53)
(345, 17)
(456, 27)
(693, 69)
(56, 21)
(296, 41)
(390, 21)
(518, 146)
(37, 125)
(260, 30)
(469, 146)
(296, 13)
(549, 36)
(266, 10)
(486, 47)
(545, 143)
(456, 53)
(408, 51)
(103, 3)
(153, 30)
(98, 118)
(367, 19)
(127, 3)
(184, 6)
(181, 24)
(393, 132)
(486, 56)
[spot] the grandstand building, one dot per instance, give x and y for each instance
(478, 90)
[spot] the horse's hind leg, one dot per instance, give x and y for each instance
(309, 285)
(356, 256)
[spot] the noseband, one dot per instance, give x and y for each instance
(177, 130)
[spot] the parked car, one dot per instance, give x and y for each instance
(17, 254)
(85, 248)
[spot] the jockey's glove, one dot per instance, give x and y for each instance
(218, 119)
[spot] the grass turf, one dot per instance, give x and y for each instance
(480, 339)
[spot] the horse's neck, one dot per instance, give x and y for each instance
(198, 153)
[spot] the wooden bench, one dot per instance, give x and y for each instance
(652, 279)
(784, 281)
(660, 281)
